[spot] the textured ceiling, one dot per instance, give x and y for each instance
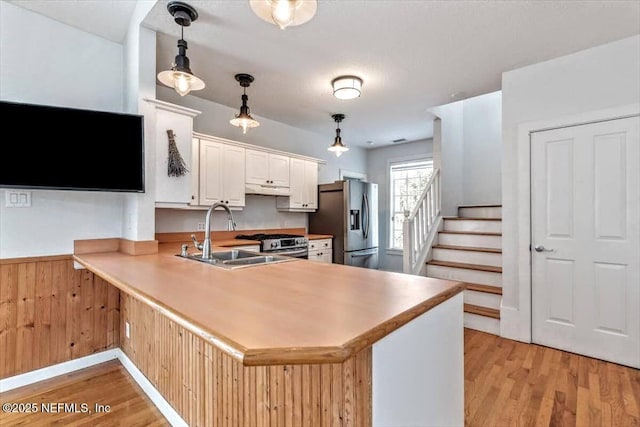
(412, 55)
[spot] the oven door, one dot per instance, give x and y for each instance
(294, 253)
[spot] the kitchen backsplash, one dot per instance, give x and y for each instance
(259, 212)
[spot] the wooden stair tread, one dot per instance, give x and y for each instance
(482, 311)
(483, 288)
(474, 233)
(466, 266)
(480, 206)
(468, 248)
(466, 218)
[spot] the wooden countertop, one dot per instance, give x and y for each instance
(292, 312)
(318, 236)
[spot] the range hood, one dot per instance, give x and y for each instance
(267, 190)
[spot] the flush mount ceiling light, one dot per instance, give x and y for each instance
(285, 13)
(180, 76)
(338, 147)
(346, 87)
(244, 119)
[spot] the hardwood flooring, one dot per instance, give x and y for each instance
(105, 384)
(508, 383)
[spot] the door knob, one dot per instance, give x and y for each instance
(541, 248)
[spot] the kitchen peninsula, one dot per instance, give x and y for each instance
(290, 344)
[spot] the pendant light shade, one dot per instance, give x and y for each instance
(338, 147)
(347, 87)
(180, 76)
(244, 119)
(285, 13)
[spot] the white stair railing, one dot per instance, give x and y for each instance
(420, 226)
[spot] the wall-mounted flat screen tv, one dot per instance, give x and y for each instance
(44, 147)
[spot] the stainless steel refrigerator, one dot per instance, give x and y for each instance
(349, 211)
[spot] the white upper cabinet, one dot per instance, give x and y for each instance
(304, 187)
(222, 171)
(179, 120)
(267, 170)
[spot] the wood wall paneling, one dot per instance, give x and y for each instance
(51, 313)
(207, 387)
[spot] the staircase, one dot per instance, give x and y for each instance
(469, 249)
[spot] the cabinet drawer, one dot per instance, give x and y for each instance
(322, 255)
(319, 244)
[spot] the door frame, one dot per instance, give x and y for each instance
(515, 321)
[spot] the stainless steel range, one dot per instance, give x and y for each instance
(281, 244)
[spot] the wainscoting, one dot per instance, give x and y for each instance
(207, 387)
(51, 313)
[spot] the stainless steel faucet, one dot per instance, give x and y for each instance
(205, 246)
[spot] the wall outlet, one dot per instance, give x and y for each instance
(200, 226)
(127, 330)
(17, 199)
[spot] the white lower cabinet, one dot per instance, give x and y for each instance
(321, 250)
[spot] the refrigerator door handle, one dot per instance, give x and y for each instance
(364, 253)
(366, 202)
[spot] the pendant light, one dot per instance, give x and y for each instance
(338, 147)
(180, 76)
(244, 119)
(285, 13)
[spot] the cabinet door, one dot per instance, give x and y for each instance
(233, 174)
(298, 188)
(211, 155)
(257, 164)
(173, 189)
(310, 185)
(279, 170)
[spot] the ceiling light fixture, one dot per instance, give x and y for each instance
(244, 119)
(180, 76)
(347, 87)
(285, 13)
(338, 147)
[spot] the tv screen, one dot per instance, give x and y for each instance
(59, 148)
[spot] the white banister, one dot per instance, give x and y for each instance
(419, 226)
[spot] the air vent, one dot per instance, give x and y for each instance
(396, 141)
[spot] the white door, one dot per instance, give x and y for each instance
(585, 211)
(279, 170)
(257, 163)
(233, 175)
(210, 172)
(298, 189)
(311, 184)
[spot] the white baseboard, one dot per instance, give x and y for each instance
(160, 402)
(95, 359)
(58, 369)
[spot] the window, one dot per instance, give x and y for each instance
(408, 180)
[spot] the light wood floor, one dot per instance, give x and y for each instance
(508, 383)
(107, 384)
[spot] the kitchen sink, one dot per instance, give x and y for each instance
(238, 259)
(233, 254)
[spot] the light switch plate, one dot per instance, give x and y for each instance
(17, 198)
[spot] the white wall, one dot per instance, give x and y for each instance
(482, 164)
(214, 120)
(258, 213)
(43, 61)
(378, 160)
(468, 150)
(599, 78)
(138, 219)
(448, 148)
